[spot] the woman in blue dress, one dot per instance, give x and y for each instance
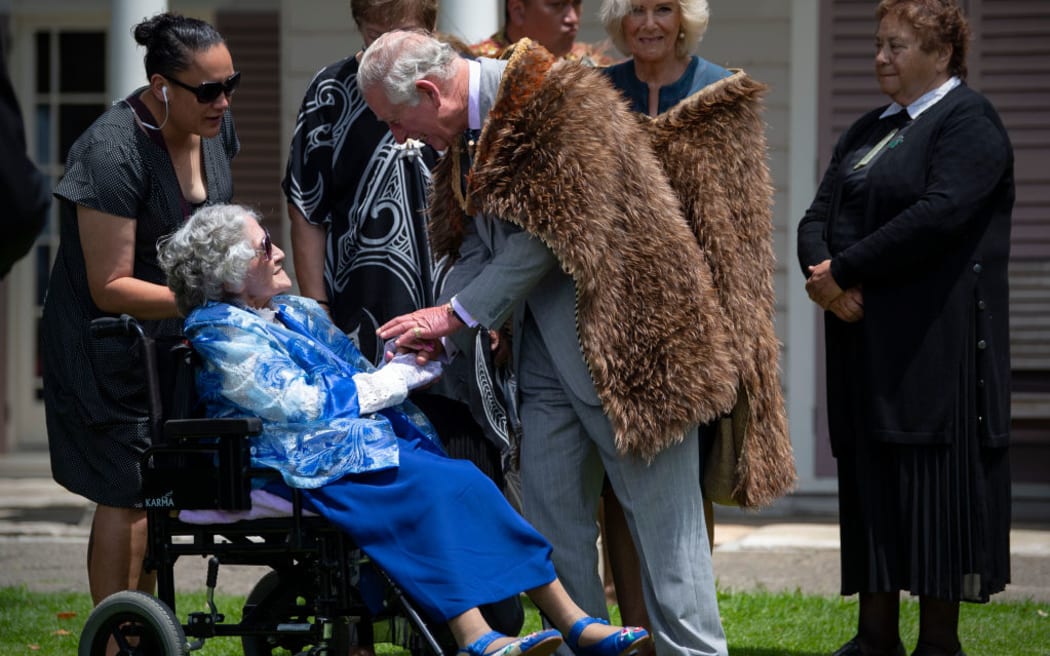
(342, 431)
(659, 38)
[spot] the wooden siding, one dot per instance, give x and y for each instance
(1012, 57)
(1014, 72)
(255, 44)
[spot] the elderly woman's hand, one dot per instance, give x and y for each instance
(414, 374)
(423, 350)
(820, 286)
(390, 384)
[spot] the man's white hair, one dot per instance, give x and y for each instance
(397, 60)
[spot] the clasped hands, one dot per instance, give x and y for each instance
(846, 304)
(420, 332)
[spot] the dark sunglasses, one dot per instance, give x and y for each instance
(209, 91)
(267, 246)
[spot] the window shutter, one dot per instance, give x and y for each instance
(1012, 61)
(254, 42)
(847, 69)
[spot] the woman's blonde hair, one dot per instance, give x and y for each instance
(695, 14)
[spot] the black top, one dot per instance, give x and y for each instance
(113, 167)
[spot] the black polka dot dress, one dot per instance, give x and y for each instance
(94, 396)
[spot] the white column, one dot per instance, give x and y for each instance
(470, 20)
(802, 184)
(125, 70)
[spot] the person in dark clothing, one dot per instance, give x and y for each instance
(906, 247)
(132, 177)
(25, 192)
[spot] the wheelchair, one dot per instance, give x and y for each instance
(309, 603)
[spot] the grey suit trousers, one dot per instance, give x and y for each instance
(566, 449)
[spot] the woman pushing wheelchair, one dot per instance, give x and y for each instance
(367, 460)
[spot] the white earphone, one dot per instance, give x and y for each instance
(163, 92)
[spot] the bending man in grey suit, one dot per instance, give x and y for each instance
(563, 223)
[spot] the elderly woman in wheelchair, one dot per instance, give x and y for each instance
(364, 458)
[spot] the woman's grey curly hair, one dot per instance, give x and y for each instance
(208, 256)
(695, 14)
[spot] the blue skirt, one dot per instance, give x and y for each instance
(441, 530)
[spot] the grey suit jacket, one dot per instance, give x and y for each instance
(502, 270)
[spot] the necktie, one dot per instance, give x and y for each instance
(893, 138)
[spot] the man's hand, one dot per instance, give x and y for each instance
(420, 329)
(820, 286)
(849, 306)
(500, 345)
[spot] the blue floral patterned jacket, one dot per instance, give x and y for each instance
(296, 375)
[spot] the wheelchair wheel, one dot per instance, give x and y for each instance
(140, 624)
(274, 602)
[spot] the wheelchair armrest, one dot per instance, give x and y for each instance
(211, 428)
(202, 464)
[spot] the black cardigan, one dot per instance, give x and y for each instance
(933, 265)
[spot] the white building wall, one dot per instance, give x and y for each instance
(470, 20)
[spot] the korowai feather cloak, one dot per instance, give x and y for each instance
(713, 148)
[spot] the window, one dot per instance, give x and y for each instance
(68, 87)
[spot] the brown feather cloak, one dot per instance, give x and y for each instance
(563, 157)
(713, 148)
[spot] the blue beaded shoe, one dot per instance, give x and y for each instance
(540, 643)
(627, 641)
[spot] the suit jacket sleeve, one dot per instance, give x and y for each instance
(495, 280)
(471, 257)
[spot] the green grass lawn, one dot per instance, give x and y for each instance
(757, 624)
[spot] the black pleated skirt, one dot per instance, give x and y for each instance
(933, 520)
